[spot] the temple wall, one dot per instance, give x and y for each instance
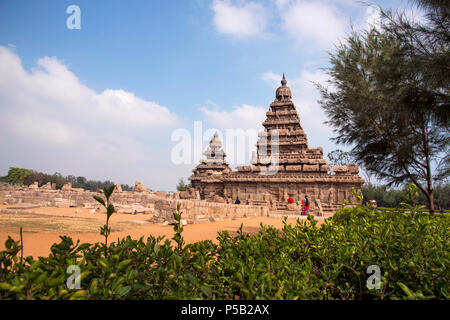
(328, 193)
(325, 197)
(212, 189)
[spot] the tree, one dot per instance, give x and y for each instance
(81, 180)
(34, 177)
(126, 187)
(58, 179)
(181, 186)
(393, 197)
(383, 106)
(427, 45)
(339, 157)
(17, 175)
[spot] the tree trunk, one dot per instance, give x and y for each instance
(430, 198)
(426, 150)
(428, 192)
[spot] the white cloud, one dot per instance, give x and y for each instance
(246, 19)
(125, 109)
(413, 14)
(241, 117)
(272, 79)
(313, 23)
(345, 3)
(52, 122)
(321, 24)
(373, 16)
(281, 3)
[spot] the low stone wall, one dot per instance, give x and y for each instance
(199, 211)
(160, 204)
(64, 199)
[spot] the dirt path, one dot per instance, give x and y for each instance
(43, 226)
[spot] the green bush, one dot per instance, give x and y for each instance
(301, 261)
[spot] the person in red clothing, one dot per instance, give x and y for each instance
(305, 206)
(290, 200)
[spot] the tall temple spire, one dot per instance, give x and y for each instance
(283, 81)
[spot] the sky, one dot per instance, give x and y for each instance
(137, 91)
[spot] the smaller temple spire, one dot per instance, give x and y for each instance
(284, 81)
(214, 153)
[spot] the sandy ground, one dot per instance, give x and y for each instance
(43, 226)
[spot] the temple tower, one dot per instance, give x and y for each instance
(283, 131)
(207, 175)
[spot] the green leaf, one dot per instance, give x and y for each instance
(405, 289)
(110, 210)
(123, 264)
(80, 294)
(121, 291)
(103, 262)
(99, 199)
(5, 286)
(108, 191)
(94, 285)
(207, 291)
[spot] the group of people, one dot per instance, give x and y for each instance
(305, 205)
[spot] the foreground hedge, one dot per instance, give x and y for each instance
(300, 261)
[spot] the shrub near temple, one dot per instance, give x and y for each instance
(301, 261)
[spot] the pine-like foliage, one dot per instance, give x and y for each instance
(388, 109)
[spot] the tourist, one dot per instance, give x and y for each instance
(290, 200)
(442, 210)
(305, 206)
(237, 201)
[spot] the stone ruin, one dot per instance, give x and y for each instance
(159, 205)
(283, 166)
(139, 187)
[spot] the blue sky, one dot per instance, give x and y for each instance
(137, 70)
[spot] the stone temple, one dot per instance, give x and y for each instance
(283, 166)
